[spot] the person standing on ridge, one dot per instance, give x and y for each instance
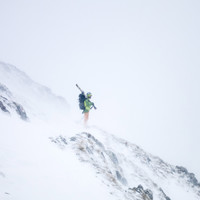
(88, 106)
(85, 104)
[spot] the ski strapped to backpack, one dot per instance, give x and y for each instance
(82, 98)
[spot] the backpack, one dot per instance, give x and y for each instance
(81, 99)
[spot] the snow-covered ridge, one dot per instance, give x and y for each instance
(36, 100)
(129, 171)
(31, 163)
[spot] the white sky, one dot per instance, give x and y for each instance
(140, 59)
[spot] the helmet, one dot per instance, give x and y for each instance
(89, 94)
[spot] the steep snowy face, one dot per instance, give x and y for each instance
(18, 93)
(129, 171)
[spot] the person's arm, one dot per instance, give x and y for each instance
(92, 105)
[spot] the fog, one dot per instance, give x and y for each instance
(140, 60)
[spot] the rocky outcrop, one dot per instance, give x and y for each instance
(121, 165)
(5, 90)
(20, 111)
(190, 176)
(90, 148)
(164, 195)
(3, 108)
(144, 194)
(8, 104)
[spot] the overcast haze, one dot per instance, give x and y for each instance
(140, 59)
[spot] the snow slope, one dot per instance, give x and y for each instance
(41, 161)
(59, 159)
(129, 171)
(31, 167)
(37, 100)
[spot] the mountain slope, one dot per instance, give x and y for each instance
(89, 163)
(129, 171)
(32, 168)
(35, 99)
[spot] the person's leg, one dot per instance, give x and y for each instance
(86, 117)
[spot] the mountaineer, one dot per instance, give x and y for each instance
(85, 104)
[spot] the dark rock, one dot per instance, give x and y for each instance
(6, 101)
(145, 194)
(120, 178)
(5, 90)
(89, 150)
(113, 157)
(164, 195)
(190, 176)
(149, 193)
(193, 179)
(63, 139)
(181, 170)
(3, 108)
(73, 139)
(60, 141)
(20, 111)
(148, 160)
(94, 139)
(139, 189)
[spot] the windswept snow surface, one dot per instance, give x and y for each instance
(63, 160)
(124, 167)
(31, 167)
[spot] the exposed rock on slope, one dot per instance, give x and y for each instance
(8, 105)
(127, 169)
(29, 99)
